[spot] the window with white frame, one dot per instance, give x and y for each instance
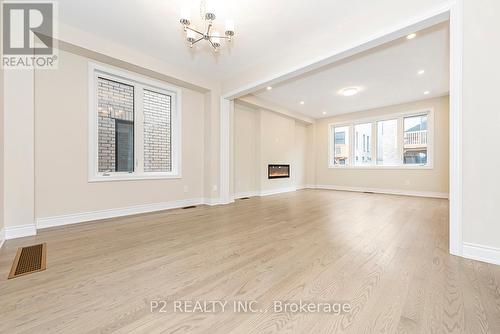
(387, 143)
(341, 146)
(415, 140)
(363, 151)
(398, 140)
(134, 126)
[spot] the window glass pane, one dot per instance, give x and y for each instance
(387, 143)
(115, 103)
(362, 153)
(341, 146)
(124, 146)
(157, 132)
(415, 140)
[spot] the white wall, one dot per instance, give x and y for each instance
(433, 181)
(61, 149)
(2, 232)
(481, 124)
(246, 150)
(263, 137)
(311, 155)
(300, 153)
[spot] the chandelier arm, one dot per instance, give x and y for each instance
(209, 28)
(225, 37)
(199, 39)
(196, 31)
(215, 48)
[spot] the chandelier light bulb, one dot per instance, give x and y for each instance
(185, 16)
(229, 27)
(216, 39)
(209, 10)
(191, 36)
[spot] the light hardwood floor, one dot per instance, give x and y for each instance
(387, 256)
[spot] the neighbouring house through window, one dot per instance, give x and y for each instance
(362, 155)
(415, 140)
(341, 144)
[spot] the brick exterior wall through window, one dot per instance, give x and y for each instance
(157, 132)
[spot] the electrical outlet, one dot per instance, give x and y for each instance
(186, 189)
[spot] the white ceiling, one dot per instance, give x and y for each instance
(387, 76)
(266, 30)
(153, 27)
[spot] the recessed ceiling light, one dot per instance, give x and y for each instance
(411, 36)
(421, 72)
(324, 112)
(427, 92)
(302, 102)
(349, 91)
(269, 87)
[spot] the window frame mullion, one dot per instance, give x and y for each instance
(374, 142)
(139, 128)
(400, 139)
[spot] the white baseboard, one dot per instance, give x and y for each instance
(265, 192)
(2, 237)
(20, 231)
(384, 191)
(75, 218)
(247, 194)
(277, 191)
(481, 253)
(212, 201)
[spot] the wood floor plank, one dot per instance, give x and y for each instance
(387, 256)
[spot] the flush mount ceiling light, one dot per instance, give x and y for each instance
(269, 88)
(349, 91)
(302, 102)
(411, 36)
(427, 92)
(421, 72)
(208, 32)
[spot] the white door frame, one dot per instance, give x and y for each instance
(453, 12)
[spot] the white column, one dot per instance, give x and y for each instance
(19, 154)
(226, 107)
(456, 92)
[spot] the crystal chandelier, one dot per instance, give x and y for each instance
(208, 32)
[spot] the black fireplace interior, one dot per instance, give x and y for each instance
(278, 171)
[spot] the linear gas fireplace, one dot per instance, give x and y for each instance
(278, 171)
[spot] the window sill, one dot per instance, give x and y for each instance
(383, 167)
(131, 177)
